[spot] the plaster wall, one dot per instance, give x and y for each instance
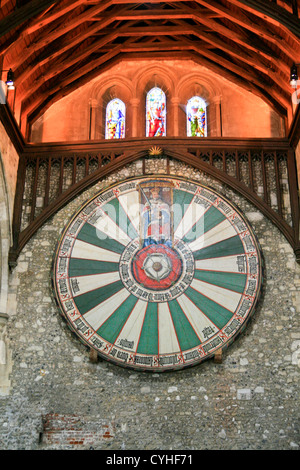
(59, 399)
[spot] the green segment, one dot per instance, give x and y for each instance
(89, 300)
(186, 335)
(216, 313)
(148, 343)
(86, 267)
(233, 281)
(209, 220)
(116, 212)
(112, 327)
(181, 201)
(91, 234)
(228, 247)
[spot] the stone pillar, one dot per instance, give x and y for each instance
(218, 113)
(175, 109)
(92, 127)
(134, 103)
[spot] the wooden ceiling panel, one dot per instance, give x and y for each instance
(55, 46)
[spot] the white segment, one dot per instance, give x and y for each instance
(167, 337)
(97, 316)
(196, 317)
(109, 227)
(226, 298)
(191, 216)
(88, 283)
(224, 264)
(133, 326)
(218, 233)
(84, 250)
(131, 205)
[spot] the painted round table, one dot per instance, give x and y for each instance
(157, 273)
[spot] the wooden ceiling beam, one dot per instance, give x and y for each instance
(56, 49)
(247, 74)
(276, 100)
(51, 34)
(65, 62)
(249, 58)
(203, 16)
(53, 15)
(259, 46)
(256, 27)
(74, 76)
(273, 13)
(22, 14)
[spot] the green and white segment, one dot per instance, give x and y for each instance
(160, 331)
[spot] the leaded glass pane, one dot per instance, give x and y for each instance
(155, 113)
(115, 120)
(196, 117)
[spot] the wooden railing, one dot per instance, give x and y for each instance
(263, 171)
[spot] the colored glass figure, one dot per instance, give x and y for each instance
(196, 117)
(115, 120)
(156, 202)
(155, 113)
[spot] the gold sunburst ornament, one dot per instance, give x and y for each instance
(155, 151)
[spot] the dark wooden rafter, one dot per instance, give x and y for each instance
(272, 13)
(22, 14)
(59, 45)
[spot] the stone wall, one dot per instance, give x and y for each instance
(231, 110)
(59, 399)
(8, 176)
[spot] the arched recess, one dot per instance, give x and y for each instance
(102, 93)
(129, 156)
(154, 76)
(210, 91)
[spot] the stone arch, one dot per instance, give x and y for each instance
(210, 91)
(150, 77)
(102, 93)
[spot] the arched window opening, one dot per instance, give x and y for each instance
(196, 117)
(155, 113)
(115, 120)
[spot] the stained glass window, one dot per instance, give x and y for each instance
(155, 113)
(115, 120)
(196, 117)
